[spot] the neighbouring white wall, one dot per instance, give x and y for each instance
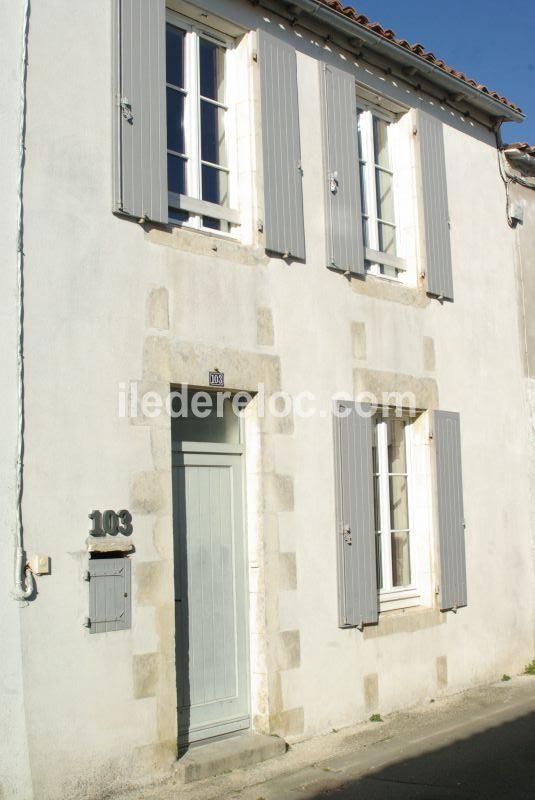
(525, 264)
(100, 709)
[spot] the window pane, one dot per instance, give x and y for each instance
(387, 239)
(175, 121)
(380, 143)
(176, 174)
(213, 147)
(385, 195)
(212, 62)
(390, 272)
(214, 224)
(177, 215)
(397, 456)
(399, 511)
(221, 424)
(174, 56)
(360, 122)
(376, 502)
(365, 231)
(375, 460)
(379, 560)
(401, 562)
(214, 185)
(363, 198)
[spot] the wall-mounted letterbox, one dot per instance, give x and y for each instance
(110, 607)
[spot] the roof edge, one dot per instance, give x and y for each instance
(521, 156)
(453, 85)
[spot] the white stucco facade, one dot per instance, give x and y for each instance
(109, 302)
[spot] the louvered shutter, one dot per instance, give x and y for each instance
(283, 182)
(141, 128)
(109, 594)
(435, 206)
(355, 534)
(447, 437)
(344, 220)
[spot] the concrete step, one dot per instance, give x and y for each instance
(215, 758)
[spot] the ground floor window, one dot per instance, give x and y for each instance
(393, 477)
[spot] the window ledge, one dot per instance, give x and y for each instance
(397, 291)
(203, 242)
(410, 620)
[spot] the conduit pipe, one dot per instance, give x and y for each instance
(24, 583)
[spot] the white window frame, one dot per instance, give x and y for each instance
(391, 597)
(192, 201)
(375, 258)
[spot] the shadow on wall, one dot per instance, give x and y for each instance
(498, 763)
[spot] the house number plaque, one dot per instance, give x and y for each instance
(110, 523)
(216, 379)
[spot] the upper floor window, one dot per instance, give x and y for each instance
(198, 171)
(376, 165)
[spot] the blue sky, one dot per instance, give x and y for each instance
(491, 41)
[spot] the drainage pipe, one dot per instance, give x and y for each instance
(24, 583)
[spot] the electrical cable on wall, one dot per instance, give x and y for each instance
(24, 584)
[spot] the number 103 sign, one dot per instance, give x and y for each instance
(110, 523)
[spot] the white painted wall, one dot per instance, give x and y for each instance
(88, 277)
(14, 766)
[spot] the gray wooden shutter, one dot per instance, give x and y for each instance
(283, 181)
(435, 206)
(141, 126)
(355, 533)
(447, 436)
(109, 594)
(344, 220)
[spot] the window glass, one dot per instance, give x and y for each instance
(197, 156)
(399, 511)
(176, 174)
(387, 239)
(397, 453)
(214, 185)
(377, 509)
(385, 195)
(176, 97)
(213, 147)
(380, 142)
(392, 522)
(174, 55)
(212, 59)
(401, 570)
(204, 417)
(377, 189)
(360, 126)
(175, 121)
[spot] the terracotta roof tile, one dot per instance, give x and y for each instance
(417, 49)
(523, 147)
